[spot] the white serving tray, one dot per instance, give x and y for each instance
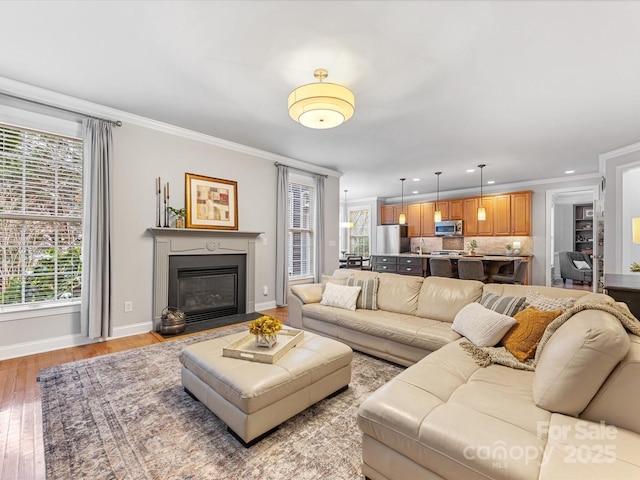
(246, 348)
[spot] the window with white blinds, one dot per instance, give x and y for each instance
(301, 232)
(40, 216)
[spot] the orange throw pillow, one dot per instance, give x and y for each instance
(523, 338)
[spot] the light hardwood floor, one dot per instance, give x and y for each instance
(21, 445)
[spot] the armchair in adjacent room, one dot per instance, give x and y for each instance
(576, 266)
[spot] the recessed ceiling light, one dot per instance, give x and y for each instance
(570, 171)
(414, 192)
(491, 182)
(416, 179)
(470, 170)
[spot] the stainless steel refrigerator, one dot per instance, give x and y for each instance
(392, 239)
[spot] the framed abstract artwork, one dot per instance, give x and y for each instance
(211, 202)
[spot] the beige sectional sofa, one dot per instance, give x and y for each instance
(445, 416)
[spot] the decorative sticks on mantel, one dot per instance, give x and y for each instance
(165, 196)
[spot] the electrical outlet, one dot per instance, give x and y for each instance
(128, 306)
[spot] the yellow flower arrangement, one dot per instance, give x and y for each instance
(265, 325)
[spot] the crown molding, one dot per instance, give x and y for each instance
(83, 107)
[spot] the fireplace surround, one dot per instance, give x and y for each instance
(220, 246)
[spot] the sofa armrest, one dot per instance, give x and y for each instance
(308, 293)
(299, 295)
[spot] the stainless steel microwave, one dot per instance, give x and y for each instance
(449, 228)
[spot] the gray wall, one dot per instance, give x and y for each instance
(143, 153)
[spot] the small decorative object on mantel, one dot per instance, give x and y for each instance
(635, 267)
(159, 199)
(158, 206)
(179, 213)
(266, 330)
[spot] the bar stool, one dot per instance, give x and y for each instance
(354, 261)
(440, 267)
(518, 276)
(469, 269)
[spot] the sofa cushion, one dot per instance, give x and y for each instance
(620, 392)
(577, 360)
(340, 296)
(483, 327)
(331, 279)
(442, 298)
(543, 302)
(368, 298)
(398, 293)
(523, 338)
(505, 305)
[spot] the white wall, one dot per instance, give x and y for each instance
(630, 209)
(563, 230)
(619, 207)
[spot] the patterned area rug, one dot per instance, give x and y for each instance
(126, 415)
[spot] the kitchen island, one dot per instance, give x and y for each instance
(418, 264)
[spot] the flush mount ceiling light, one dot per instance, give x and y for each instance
(402, 219)
(321, 105)
(437, 216)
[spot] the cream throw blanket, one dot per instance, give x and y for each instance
(485, 356)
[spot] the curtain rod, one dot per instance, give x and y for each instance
(277, 164)
(117, 123)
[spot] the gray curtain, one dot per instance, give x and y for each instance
(282, 236)
(96, 243)
(319, 260)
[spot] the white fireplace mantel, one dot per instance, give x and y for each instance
(188, 241)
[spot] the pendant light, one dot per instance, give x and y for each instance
(482, 212)
(403, 218)
(346, 223)
(437, 216)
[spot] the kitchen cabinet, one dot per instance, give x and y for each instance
(414, 219)
(444, 209)
(507, 214)
(455, 210)
(473, 226)
(521, 213)
(389, 214)
(427, 210)
(502, 215)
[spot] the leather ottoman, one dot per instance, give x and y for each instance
(254, 398)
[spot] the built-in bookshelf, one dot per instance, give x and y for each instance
(583, 220)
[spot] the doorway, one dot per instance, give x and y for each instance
(561, 231)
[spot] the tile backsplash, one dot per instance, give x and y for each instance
(486, 245)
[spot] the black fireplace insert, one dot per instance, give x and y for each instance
(207, 286)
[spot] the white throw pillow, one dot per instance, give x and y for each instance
(341, 296)
(483, 327)
(581, 265)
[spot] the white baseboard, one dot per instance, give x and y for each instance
(50, 344)
(135, 329)
(46, 345)
(265, 305)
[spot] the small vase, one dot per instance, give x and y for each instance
(179, 222)
(266, 340)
